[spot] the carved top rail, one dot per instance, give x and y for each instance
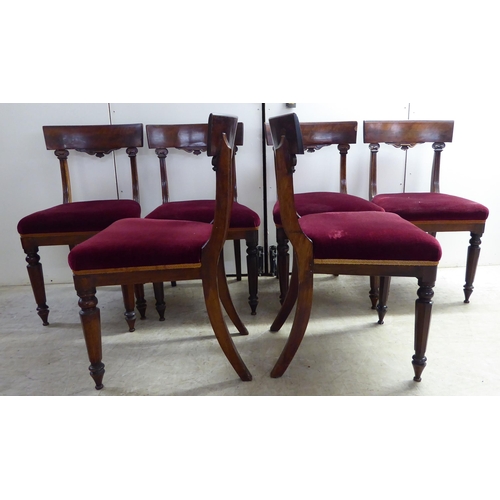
(93, 139)
(408, 132)
(191, 138)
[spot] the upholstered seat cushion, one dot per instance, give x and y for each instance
(368, 236)
(203, 211)
(319, 202)
(431, 207)
(141, 242)
(80, 216)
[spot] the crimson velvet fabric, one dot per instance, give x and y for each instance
(368, 236)
(141, 242)
(431, 207)
(79, 216)
(319, 202)
(203, 211)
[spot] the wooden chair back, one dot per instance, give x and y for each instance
(406, 134)
(97, 140)
(317, 135)
(191, 138)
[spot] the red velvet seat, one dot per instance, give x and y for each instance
(203, 211)
(373, 243)
(370, 237)
(244, 223)
(316, 136)
(319, 202)
(73, 222)
(431, 211)
(80, 216)
(132, 251)
(418, 207)
(134, 243)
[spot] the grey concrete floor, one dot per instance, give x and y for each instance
(344, 351)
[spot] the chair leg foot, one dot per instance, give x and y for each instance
(384, 286)
(160, 300)
(418, 367)
(35, 273)
(128, 301)
(423, 310)
(43, 312)
(97, 373)
(300, 321)
(91, 324)
(471, 266)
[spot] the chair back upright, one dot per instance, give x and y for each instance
(191, 138)
(96, 140)
(406, 134)
(317, 135)
(220, 146)
(287, 140)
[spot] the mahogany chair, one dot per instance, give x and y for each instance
(134, 251)
(431, 211)
(73, 222)
(244, 223)
(353, 243)
(315, 136)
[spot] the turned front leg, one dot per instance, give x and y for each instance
(91, 323)
(471, 267)
(384, 287)
(423, 309)
(128, 302)
(35, 273)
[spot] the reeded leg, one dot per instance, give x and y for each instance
(252, 241)
(214, 310)
(35, 273)
(289, 302)
(91, 324)
(283, 261)
(374, 290)
(140, 303)
(226, 300)
(129, 302)
(237, 258)
(301, 319)
(160, 300)
(423, 309)
(385, 284)
(471, 267)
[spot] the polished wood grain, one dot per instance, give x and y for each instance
(95, 140)
(287, 140)
(210, 271)
(192, 138)
(406, 134)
